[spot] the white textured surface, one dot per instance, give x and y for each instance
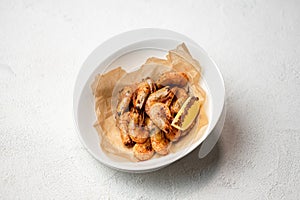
(255, 43)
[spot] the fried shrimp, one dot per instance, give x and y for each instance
(122, 124)
(143, 151)
(143, 90)
(161, 116)
(137, 131)
(180, 97)
(124, 100)
(157, 108)
(159, 142)
(172, 78)
(163, 95)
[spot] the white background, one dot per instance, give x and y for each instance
(256, 45)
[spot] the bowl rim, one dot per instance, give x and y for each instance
(158, 34)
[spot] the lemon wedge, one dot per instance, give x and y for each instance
(187, 114)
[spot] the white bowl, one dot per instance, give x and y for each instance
(131, 49)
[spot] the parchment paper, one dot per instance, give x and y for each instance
(106, 87)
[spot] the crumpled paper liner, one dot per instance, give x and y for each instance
(106, 87)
